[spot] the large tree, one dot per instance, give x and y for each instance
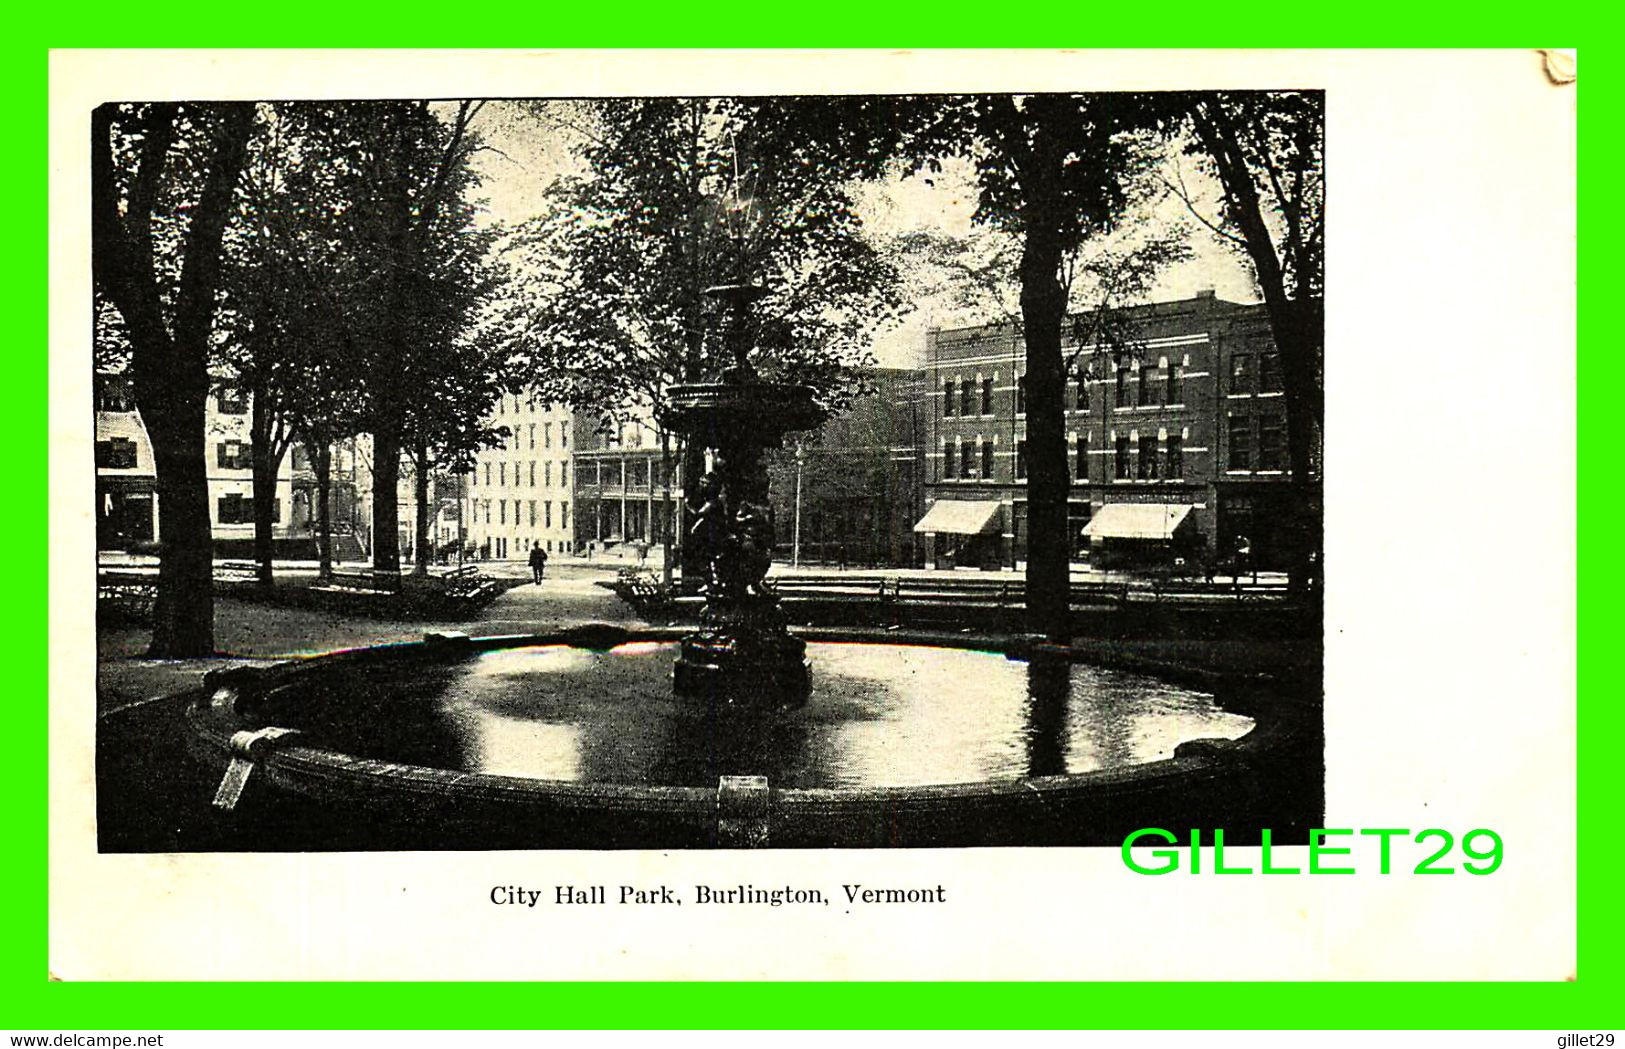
(681, 195)
(1267, 151)
(163, 177)
(1056, 171)
(399, 178)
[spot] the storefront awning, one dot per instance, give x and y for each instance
(1136, 521)
(958, 517)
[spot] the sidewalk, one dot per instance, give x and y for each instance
(606, 565)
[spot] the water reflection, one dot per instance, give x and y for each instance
(878, 715)
(1049, 688)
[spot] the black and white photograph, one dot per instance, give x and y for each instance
(686, 472)
(792, 495)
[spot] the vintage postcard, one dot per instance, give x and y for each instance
(842, 515)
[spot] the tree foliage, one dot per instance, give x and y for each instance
(681, 195)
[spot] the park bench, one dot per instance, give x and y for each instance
(466, 583)
(236, 570)
(642, 589)
(126, 599)
(383, 582)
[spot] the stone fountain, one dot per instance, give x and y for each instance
(574, 738)
(743, 654)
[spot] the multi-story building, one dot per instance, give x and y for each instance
(628, 480)
(856, 483)
(519, 494)
(126, 478)
(1187, 424)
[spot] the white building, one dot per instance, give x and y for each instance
(126, 488)
(519, 494)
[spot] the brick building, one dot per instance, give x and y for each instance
(1188, 426)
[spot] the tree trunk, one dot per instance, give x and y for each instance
(1043, 310)
(386, 511)
(321, 457)
(183, 613)
(420, 490)
(261, 453)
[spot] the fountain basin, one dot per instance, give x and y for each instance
(574, 740)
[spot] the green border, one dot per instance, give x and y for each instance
(1590, 1002)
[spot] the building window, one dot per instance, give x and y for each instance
(987, 460)
(533, 436)
(564, 436)
(502, 474)
(1241, 442)
(533, 473)
(533, 513)
(547, 435)
(547, 475)
(1241, 372)
(1174, 457)
(1174, 392)
(1147, 387)
(548, 510)
(1269, 373)
(487, 511)
(1122, 467)
(564, 473)
(116, 453)
(1081, 470)
(1122, 382)
(113, 394)
(1271, 444)
(487, 475)
(301, 457)
(947, 460)
(967, 459)
(1021, 395)
(1021, 458)
(231, 455)
(502, 511)
(987, 396)
(1083, 394)
(1148, 458)
(564, 515)
(967, 391)
(948, 399)
(231, 400)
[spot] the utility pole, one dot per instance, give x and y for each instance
(795, 545)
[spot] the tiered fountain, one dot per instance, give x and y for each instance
(744, 652)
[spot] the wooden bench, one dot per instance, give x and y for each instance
(132, 600)
(236, 570)
(385, 582)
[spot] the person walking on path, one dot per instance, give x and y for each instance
(538, 562)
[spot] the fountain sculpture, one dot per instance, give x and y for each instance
(743, 653)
